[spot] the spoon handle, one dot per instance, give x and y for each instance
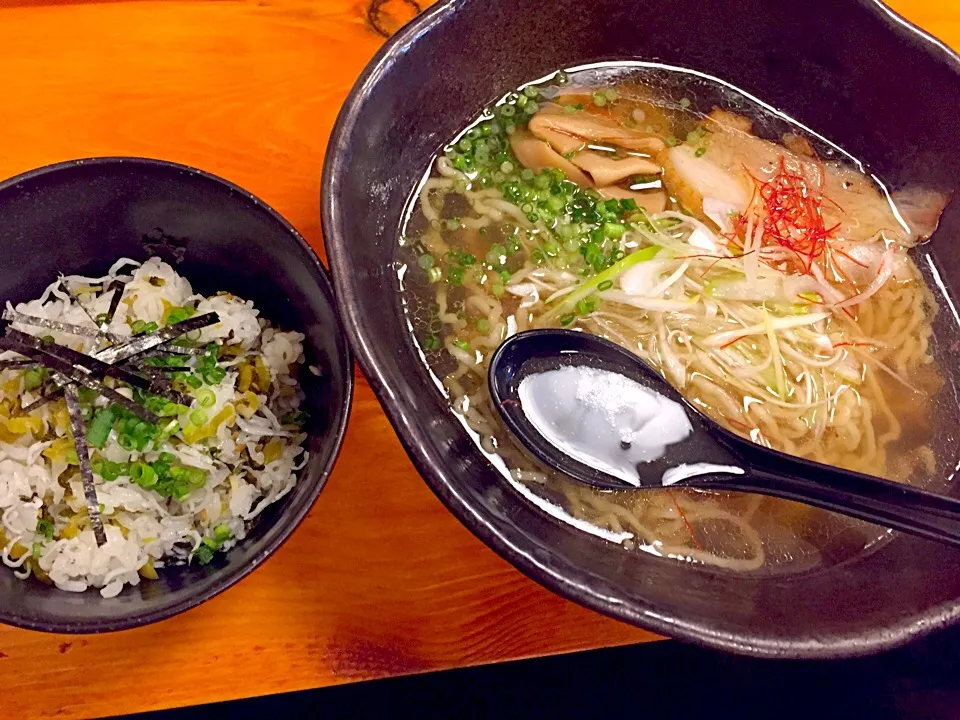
(894, 505)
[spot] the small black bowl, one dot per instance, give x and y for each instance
(853, 71)
(79, 217)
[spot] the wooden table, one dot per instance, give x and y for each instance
(380, 579)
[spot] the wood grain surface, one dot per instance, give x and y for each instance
(379, 580)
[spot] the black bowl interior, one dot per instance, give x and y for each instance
(78, 218)
(853, 71)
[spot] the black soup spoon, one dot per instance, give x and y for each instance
(711, 457)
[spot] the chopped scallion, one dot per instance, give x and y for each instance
(45, 528)
(614, 231)
(203, 554)
(33, 378)
(206, 398)
(100, 427)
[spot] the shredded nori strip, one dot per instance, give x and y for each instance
(140, 345)
(149, 341)
(58, 325)
(89, 363)
(65, 286)
(118, 288)
(18, 364)
(65, 380)
(161, 351)
(43, 400)
(70, 372)
(86, 471)
(103, 334)
(171, 349)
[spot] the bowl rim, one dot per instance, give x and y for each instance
(322, 275)
(443, 483)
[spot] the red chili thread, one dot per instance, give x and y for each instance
(685, 522)
(791, 215)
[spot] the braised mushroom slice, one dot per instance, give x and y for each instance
(608, 169)
(534, 153)
(549, 124)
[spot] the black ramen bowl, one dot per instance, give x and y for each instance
(78, 218)
(853, 71)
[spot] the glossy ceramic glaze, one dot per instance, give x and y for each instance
(853, 71)
(701, 454)
(79, 217)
